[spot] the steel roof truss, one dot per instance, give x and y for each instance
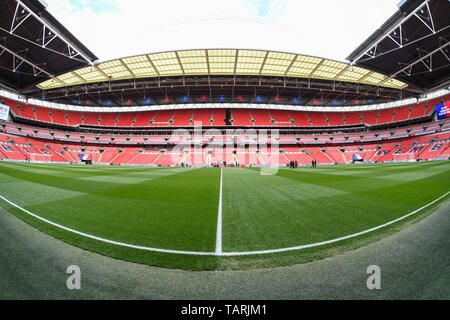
(22, 13)
(397, 38)
(46, 36)
(420, 60)
(419, 12)
(19, 60)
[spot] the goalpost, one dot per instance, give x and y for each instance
(34, 157)
(404, 157)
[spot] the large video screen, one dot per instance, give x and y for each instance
(4, 112)
(443, 110)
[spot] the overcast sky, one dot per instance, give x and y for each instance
(118, 28)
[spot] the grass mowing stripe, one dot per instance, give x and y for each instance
(178, 213)
(102, 239)
(262, 213)
(35, 193)
(226, 253)
(337, 239)
(165, 211)
(119, 179)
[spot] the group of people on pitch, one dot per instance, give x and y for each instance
(314, 163)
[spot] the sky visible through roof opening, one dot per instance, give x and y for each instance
(119, 28)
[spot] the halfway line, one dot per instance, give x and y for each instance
(219, 219)
(219, 228)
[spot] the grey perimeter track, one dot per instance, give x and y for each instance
(414, 262)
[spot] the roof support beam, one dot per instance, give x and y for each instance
(78, 77)
(397, 38)
(71, 51)
(18, 57)
(101, 71)
(284, 65)
(342, 71)
(126, 68)
(19, 17)
(207, 61)
(368, 74)
(45, 36)
(427, 17)
(66, 52)
(316, 68)
(179, 62)
(263, 63)
(420, 60)
(152, 64)
(445, 55)
(236, 62)
(290, 65)
(371, 52)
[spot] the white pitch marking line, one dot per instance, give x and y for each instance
(106, 240)
(333, 240)
(222, 253)
(219, 219)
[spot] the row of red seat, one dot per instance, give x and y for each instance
(216, 117)
(230, 136)
(25, 148)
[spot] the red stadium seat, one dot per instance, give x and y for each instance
(241, 117)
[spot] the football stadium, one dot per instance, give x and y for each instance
(215, 169)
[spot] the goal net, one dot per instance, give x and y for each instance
(404, 157)
(34, 157)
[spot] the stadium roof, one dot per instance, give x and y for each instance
(412, 46)
(214, 62)
(34, 46)
(42, 60)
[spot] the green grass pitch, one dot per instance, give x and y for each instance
(177, 208)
